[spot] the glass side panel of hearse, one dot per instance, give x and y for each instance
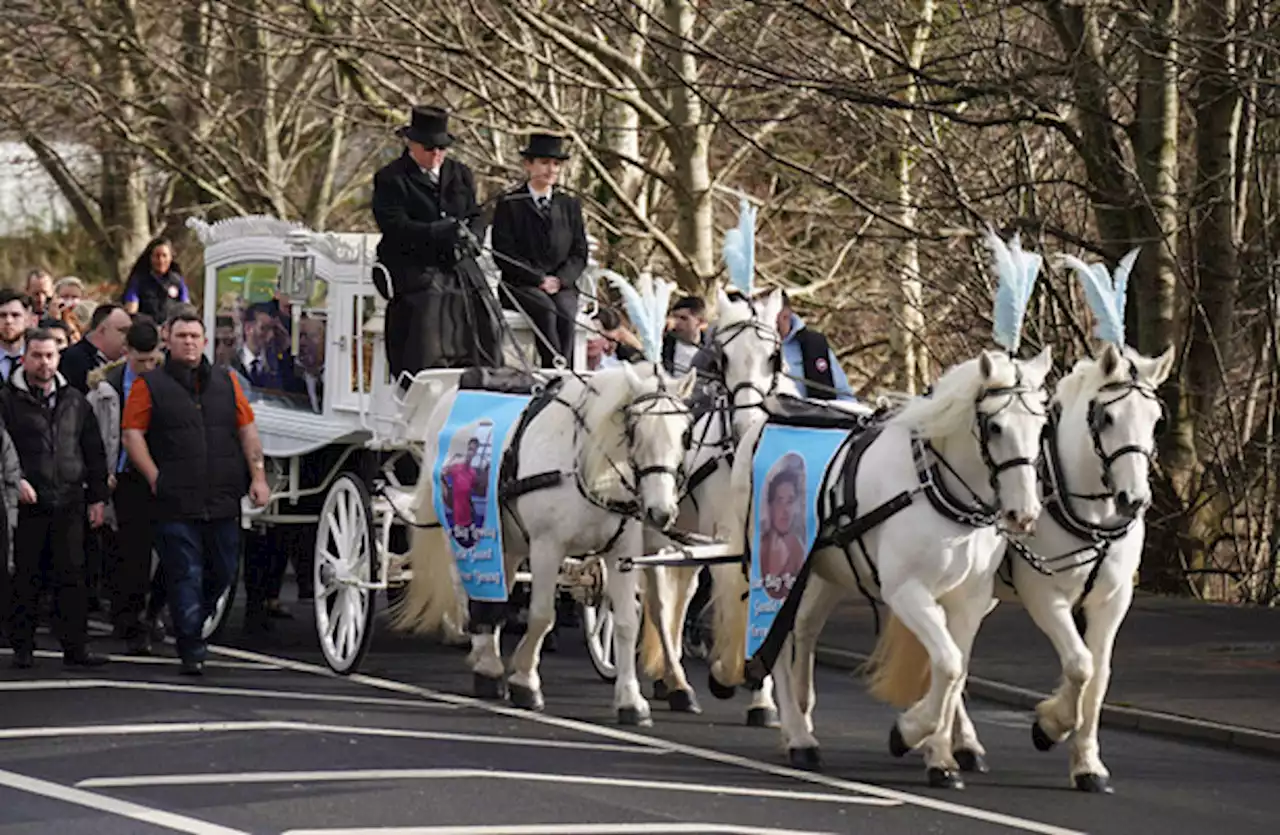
(253, 336)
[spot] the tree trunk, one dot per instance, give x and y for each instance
(689, 141)
(908, 316)
(1218, 107)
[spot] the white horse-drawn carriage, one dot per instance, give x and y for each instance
(792, 504)
(337, 425)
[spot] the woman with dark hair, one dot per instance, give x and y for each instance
(155, 283)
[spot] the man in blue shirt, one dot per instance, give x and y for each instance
(806, 353)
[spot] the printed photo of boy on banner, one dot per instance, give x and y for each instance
(466, 491)
(787, 472)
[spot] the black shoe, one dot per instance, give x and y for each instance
(279, 613)
(191, 668)
(83, 658)
(139, 643)
(155, 629)
(23, 659)
(257, 621)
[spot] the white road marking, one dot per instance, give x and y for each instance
(357, 775)
(123, 808)
(708, 754)
(312, 727)
(112, 684)
(569, 829)
(157, 659)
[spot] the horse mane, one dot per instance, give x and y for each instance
(604, 452)
(949, 408)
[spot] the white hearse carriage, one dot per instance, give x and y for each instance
(333, 423)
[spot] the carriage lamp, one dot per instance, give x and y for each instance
(297, 279)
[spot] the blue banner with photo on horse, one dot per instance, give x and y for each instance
(466, 487)
(788, 469)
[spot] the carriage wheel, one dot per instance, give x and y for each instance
(597, 625)
(344, 560)
(216, 623)
(597, 628)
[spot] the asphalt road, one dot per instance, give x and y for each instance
(265, 743)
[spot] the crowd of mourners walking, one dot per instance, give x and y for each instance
(118, 438)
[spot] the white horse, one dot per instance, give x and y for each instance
(616, 443)
(747, 341)
(978, 434)
(1088, 543)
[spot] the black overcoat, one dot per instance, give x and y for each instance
(441, 313)
(529, 245)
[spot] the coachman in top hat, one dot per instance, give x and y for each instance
(540, 244)
(440, 312)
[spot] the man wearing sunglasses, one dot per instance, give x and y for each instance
(440, 313)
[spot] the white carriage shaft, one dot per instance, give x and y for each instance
(349, 407)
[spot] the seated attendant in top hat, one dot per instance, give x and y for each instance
(540, 245)
(441, 313)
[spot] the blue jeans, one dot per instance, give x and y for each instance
(199, 561)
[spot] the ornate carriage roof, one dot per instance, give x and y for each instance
(339, 248)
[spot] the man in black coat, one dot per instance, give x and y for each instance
(540, 245)
(441, 313)
(104, 343)
(65, 479)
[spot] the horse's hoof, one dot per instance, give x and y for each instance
(633, 717)
(944, 778)
(720, 691)
(660, 691)
(683, 701)
(971, 761)
(526, 698)
(765, 717)
(1094, 783)
(485, 687)
(897, 745)
(1039, 738)
(807, 759)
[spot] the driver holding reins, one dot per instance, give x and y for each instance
(440, 313)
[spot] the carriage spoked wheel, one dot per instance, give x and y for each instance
(344, 572)
(217, 620)
(597, 624)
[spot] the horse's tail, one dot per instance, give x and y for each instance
(898, 669)
(729, 623)
(431, 602)
(653, 660)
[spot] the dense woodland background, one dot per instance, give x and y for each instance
(879, 138)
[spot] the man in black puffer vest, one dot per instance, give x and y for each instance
(806, 352)
(65, 469)
(189, 431)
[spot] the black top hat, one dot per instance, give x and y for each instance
(428, 126)
(545, 146)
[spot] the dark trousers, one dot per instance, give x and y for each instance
(130, 572)
(199, 560)
(6, 579)
(51, 538)
(552, 315)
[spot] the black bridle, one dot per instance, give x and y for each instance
(988, 429)
(631, 416)
(1100, 420)
(978, 513)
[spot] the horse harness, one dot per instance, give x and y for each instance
(1099, 536)
(848, 528)
(511, 487)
